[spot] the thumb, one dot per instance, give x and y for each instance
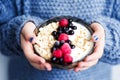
(98, 31)
(28, 32)
(95, 37)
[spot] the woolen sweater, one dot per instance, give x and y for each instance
(15, 13)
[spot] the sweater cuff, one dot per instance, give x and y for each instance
(111, 51)
(22, 21)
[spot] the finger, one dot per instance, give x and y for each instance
(76, 69)
(32, 57)
(70, 69)
(85, 65)
(38, 66)
(42, 66)
(29, 53)
(47, 66)
(97, 27)
(94, 56)
(28, 32)
(82, 69)
(98, 51)
(35, 58)
(99, 32)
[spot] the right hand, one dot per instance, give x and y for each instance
(28, 38)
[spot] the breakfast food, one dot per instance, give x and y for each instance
(63, 41)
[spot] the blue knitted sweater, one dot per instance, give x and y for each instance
(15, 13)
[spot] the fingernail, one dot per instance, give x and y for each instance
(49, 69)
(95, 38)
(31, 39)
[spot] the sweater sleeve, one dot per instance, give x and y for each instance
(10, 34)
(112, 29)
(11, 23)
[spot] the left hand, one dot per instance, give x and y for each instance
(99, 38)
(28, 38)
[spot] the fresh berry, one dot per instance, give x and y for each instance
(73, 27)
(62, 42)
(70, 24)
(54, 33)
(61, 61)
(69, 42)
(72, 46)
(53, 49)
(59, 29)
(55, 60)
(59, 32)
(57, 44)
(71, 32)
(70, 20)
(57, 53)
(56, 37)
(66, 49)
(63, 22)
(63, 36)
(67, 58)
(65, 30)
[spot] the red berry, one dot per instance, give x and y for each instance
(63, 36)
(57, 53)
(66, 49)
(63, 22)
(67, 58)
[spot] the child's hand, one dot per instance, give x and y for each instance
(27, 39)
(99, 38)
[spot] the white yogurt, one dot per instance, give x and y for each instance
(82, 40)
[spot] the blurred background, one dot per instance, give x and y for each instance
(6, 67)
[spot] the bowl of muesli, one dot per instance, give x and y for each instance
(63, 41)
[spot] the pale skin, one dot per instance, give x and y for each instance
(40, 63)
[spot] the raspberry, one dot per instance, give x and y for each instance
(57, 53)
(67, 58)
(66, 49)
(63, 36)
(63, 22)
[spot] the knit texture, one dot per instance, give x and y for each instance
(15, 13)
(27, 72)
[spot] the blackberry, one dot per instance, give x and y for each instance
(70, 20)
(59, 29)
(71, 32)
(54, 33)
(73, 27)
(61, 61)
(62, 42)
(72, 46)
(57, 44)
(69, 42)
(53, 49)
(55, 60)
